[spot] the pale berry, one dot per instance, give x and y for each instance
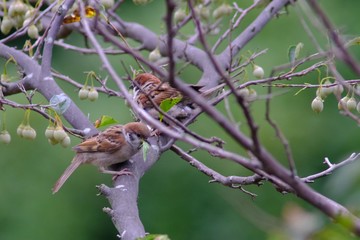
(49, 132)
(107, 3)
(338, 89)
(66, 142)
(222, 10)
(358, 107)
(343, 103)
(5, 137)
(29, 132)
(252, 95)
(323, 91)
(351, 104)
(17, 8)
(33, 32)
(20, 129)
(93, 94)
(6, 25)
(258, 72)
(59, 134)
(154, 55)
(179, 15)
(83, 93)
(244, 92)
(317, 105)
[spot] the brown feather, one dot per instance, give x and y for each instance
(69, 170)
(151, 87)
(107, 141)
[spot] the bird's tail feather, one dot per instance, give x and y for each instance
(69, 170)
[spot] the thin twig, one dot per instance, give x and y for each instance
(331, 167)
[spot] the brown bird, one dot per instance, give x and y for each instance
(147, 85)
(114, 145)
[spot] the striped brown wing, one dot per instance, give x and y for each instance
(109, 140)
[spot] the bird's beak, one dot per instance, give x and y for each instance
(145, 141)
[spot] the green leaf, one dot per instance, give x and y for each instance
(145, 149)
(155, 237)
(291, 54)
(167, 104)
(104, 121)
(60, 103)
(352, 42)
(294, 52)
(298, 48)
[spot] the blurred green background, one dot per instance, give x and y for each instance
(175, 198)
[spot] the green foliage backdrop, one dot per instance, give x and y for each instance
(175, 198)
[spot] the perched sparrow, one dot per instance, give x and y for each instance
(147, 86)
(114, 145)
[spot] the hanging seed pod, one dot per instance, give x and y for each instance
(351, 104)
(343, 103)
(5, 137)
(83, 93)
(179, 15)
(33, 32)
(6, 25)
(49, 132)
(317, 105)
(154, 55)
(29, 133)
(59, 134)
(66, 142)
(258, 72)
(20, 129)
(93, 94)
(107, 3)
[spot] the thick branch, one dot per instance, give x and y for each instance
(47, 88)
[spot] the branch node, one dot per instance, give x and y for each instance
(103, 190)
(327, 162)
(108, 211)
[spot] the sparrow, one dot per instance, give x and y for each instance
(116, 144)
(147, 86)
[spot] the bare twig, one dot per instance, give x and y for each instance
(331, 167)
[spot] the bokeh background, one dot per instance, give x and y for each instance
(175, 198)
